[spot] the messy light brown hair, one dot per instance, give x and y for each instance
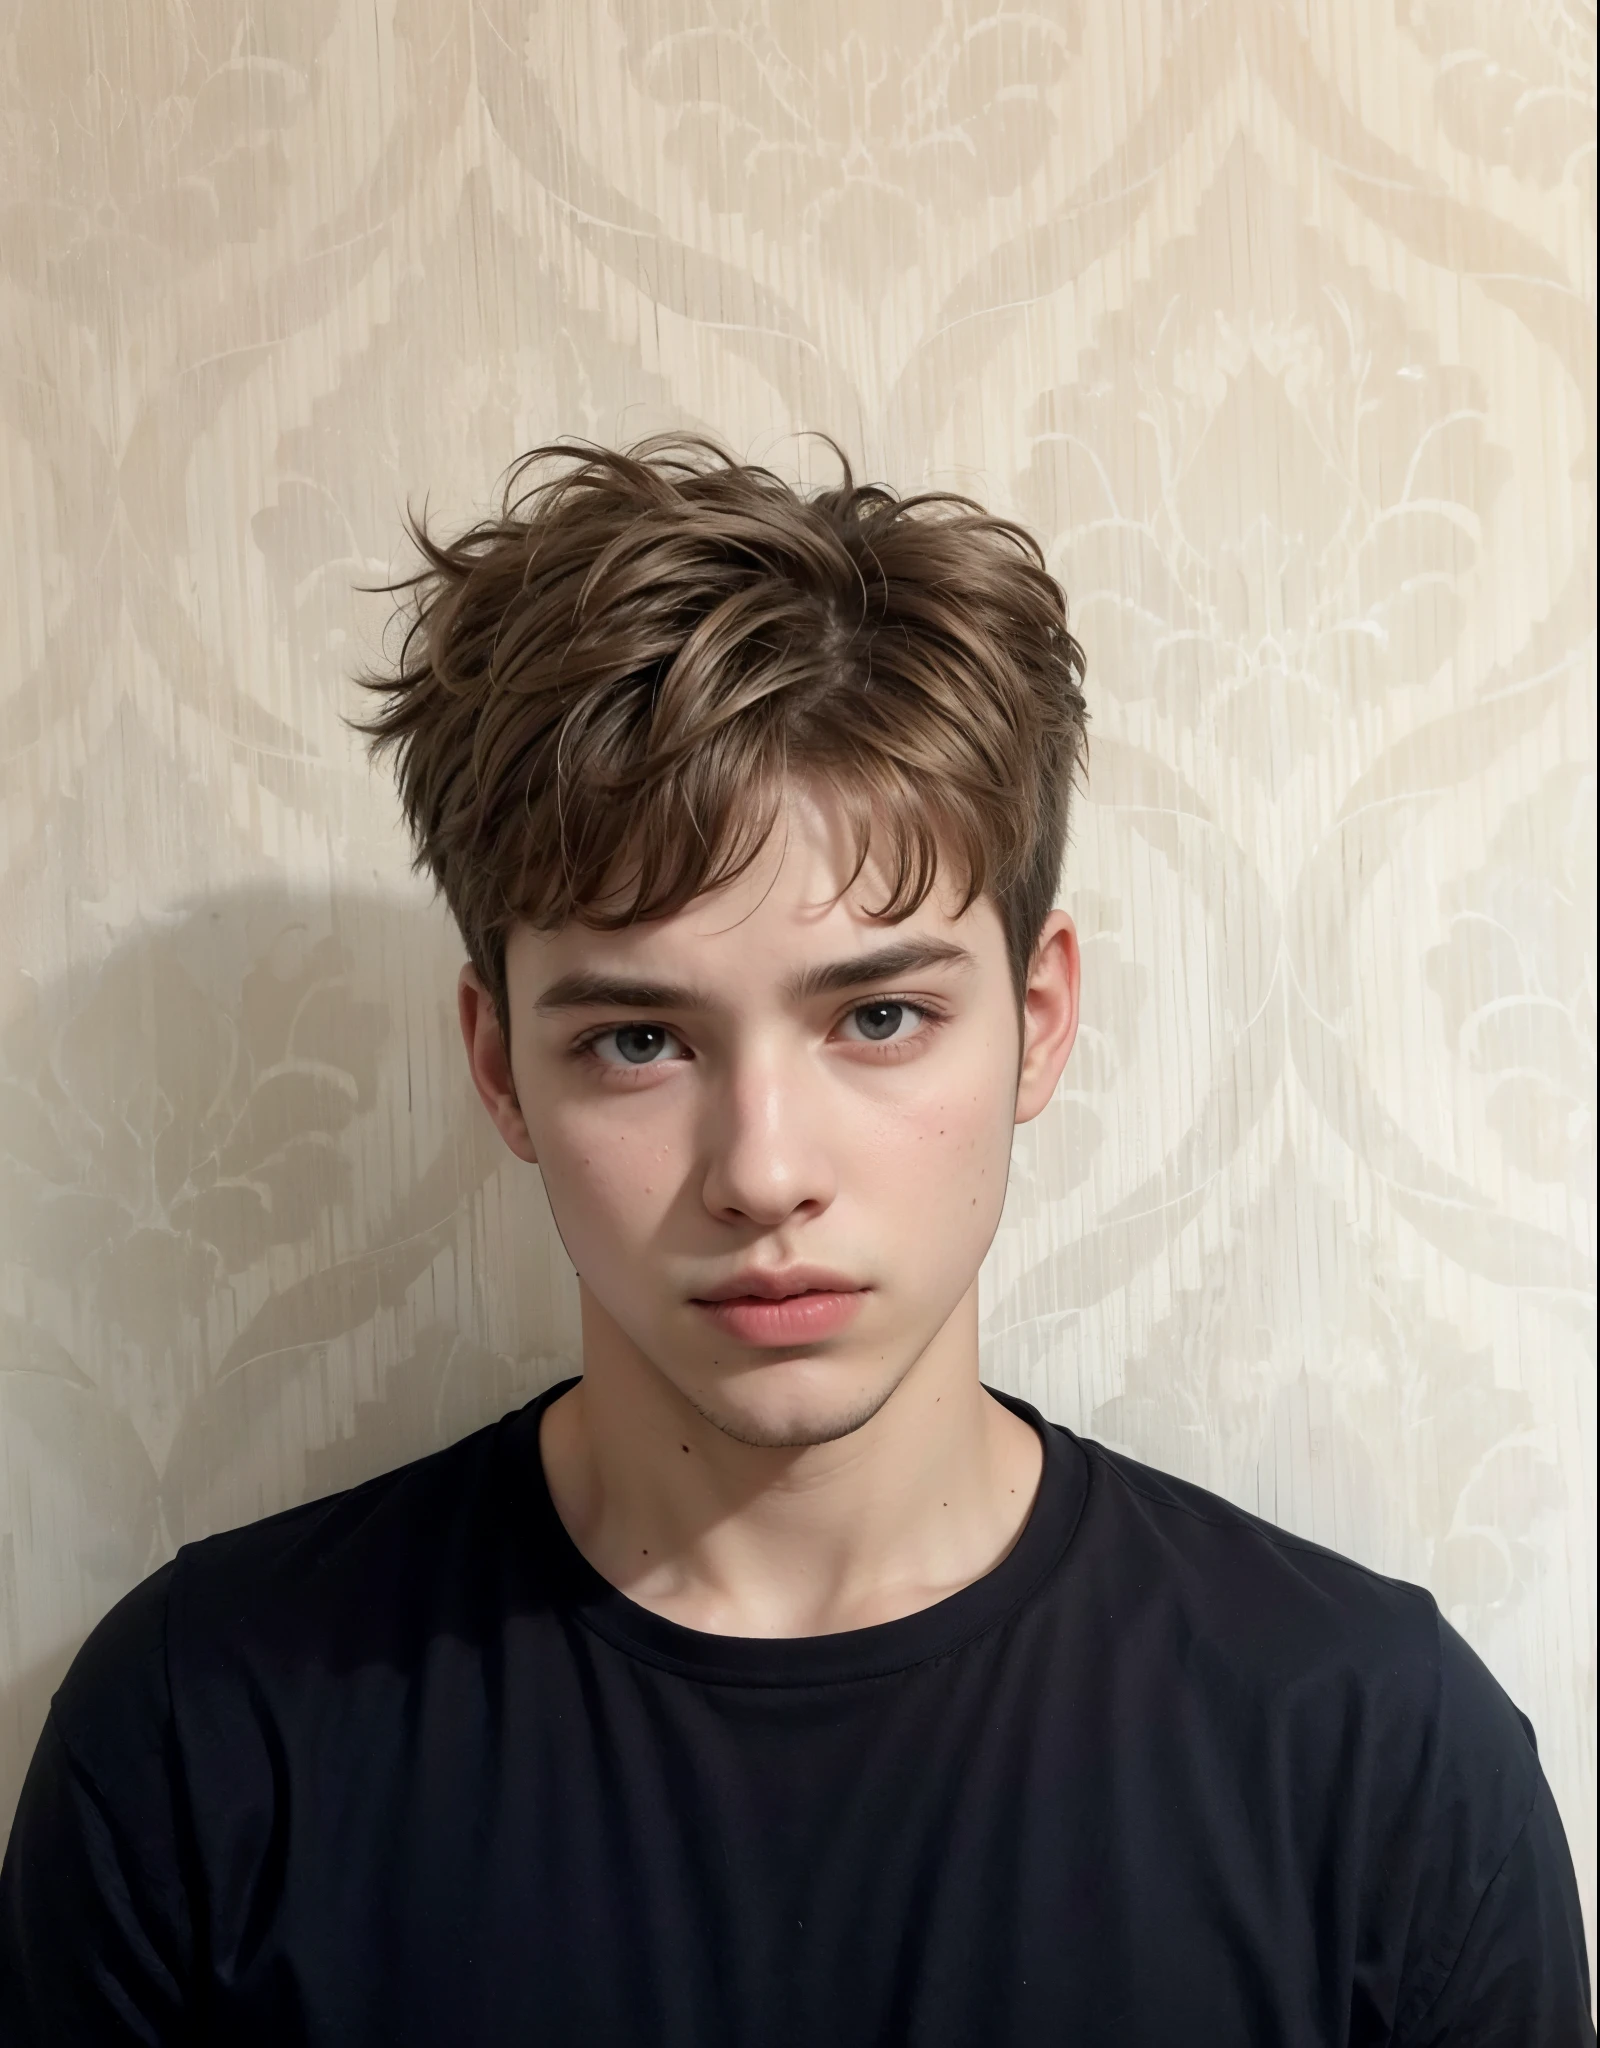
(603, 690)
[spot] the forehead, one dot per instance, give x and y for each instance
(794, 906)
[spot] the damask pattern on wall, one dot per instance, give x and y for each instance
(1275, 319)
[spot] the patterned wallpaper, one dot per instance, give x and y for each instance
(1275, 318)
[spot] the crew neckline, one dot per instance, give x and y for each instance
(842, 1657)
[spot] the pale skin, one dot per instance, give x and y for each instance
(858, 1123)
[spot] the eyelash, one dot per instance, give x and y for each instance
(931, 1014)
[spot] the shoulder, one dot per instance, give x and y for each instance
(1324, 1658)
(1272, 1617)
(1256, 1589)
(360, 1573)
(112, 1711)
(1380, 1725)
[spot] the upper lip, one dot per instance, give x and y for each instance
(777, 1284)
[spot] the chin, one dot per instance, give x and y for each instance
(787, 1405)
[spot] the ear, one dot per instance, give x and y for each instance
(1049, 1014)
(490, 1062)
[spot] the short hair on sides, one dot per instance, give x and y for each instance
(603, 690)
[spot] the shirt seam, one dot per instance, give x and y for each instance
(81, 1771)
(1415, 2015)
(57, 1722)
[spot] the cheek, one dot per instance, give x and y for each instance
(608, 1174)
(957, 1143)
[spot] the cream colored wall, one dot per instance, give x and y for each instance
(1276, 321)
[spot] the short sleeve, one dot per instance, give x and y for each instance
(1521, 1979)
(96, 1933)
(1497, 1953)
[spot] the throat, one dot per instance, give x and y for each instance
(732, 1539)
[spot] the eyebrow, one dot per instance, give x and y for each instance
(585, 991)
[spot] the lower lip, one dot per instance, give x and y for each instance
(794, 1320)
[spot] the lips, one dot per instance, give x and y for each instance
(799, 1305)
(782, 1284)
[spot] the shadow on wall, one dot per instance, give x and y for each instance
(258, 1241)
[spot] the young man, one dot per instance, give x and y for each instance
(774, 1682)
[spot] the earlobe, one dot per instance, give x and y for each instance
(1050, 1015)
(489, 1062)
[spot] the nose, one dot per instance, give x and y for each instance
(766, 1151)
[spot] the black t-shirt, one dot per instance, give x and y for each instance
(400, 1767)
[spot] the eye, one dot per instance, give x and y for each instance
(633, 1045)
(886, 1023)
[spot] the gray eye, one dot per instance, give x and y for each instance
(639, 1044)
(879, 1021)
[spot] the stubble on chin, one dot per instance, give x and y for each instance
(825, 1424)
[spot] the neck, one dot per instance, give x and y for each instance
(739, 1539)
